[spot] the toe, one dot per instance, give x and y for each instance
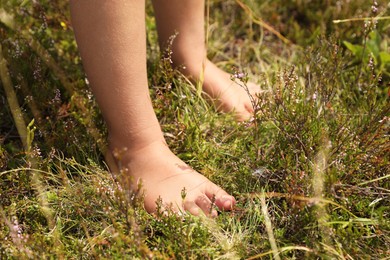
(201, 205)
(243, 116)
(205, 204)
(223, 200)
(192, 208)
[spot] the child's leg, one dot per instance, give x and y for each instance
(187, 19)
(111, 39)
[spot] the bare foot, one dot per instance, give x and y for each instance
(227, 95)
(164, 176)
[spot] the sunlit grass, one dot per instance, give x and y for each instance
(311, 173)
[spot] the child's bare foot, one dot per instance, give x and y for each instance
(185, 20)
(115, 30)
(227, 95)
(164, 176)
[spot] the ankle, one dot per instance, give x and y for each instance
(191, 63)
(125, 146)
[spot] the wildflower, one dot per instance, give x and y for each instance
(239, 75)
(57, 96)
(374, 7)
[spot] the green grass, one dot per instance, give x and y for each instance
(311, 173)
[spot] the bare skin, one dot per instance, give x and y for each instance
(186, 19)
(111, 39)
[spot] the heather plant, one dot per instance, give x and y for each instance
(310, 171)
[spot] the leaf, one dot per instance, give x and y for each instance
(384, 57)
(375, 38)
(374, 43)
(356, 50)
(373, 47)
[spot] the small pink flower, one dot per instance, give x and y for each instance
(239, 75)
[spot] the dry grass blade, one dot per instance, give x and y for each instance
(268, 226)
(374, 180)
(361, 19)
(262, 23)
(319, 170)
(13, 100)
(283, 249)
(310, 201)
(7, 19)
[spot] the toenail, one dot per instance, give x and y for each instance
(227, 202)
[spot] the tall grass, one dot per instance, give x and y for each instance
(311, 172)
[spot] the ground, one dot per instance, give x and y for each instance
(310, 172)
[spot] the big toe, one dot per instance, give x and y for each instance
(244, 115)
(222, 199)
(225, 202)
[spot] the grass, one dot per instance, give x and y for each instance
(311, 174)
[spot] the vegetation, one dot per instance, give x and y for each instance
(310, 172)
